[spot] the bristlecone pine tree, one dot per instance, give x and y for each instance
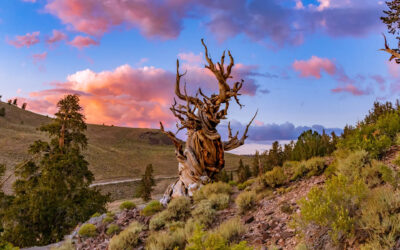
(52, 193)
(146, 184)
(392, 21)
(202, 157)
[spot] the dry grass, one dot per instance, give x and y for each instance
(113, 152)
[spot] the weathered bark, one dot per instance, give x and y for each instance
(202, 156)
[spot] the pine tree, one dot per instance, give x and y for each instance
(146, 184)
(24, 106)
(223, 176)
(244, 172)
(256, 164)
(52, 193)
(2, 111)
(15, 102)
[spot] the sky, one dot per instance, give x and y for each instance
(305, 63)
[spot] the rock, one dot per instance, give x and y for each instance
(287, 234)
(269, 212)
(248, 219)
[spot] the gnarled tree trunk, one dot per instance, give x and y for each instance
(203, 154)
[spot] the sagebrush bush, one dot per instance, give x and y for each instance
(152, 208)
(166, 240)
(128, 238)
(214, 188)
(232, 183)
(353, 163)
(97, 214)
(315, 166)
(178, 208)
(175, 225)
(334, 205)
(87, 230)
(274, 178)
(289, 167)
(397, 160)
(231, 229)
(245, 201)
(245, 184)
(299, 171)
(108, 219)
(204, 213)
(127, 205)
(201, 239)
(380, 218)
(158, 221)
(112, 229)
(219, 201)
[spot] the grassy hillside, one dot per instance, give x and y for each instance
(113, 152)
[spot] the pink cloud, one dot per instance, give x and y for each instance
(56, 37)
(138, 97)
(191, 57)
(314, 66)
(352, 89)
(82, 42)
(95, 17)
(39, 57)
(26, 40)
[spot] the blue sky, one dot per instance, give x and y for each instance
(305, 63)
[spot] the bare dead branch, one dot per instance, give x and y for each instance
(234, 142)
(394, 52)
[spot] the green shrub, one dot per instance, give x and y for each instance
(112, 229)
(352, 164)
(232, 183)
(127, 205)
(159, 220)
(289, 167)
(275, 177)
(231, 229)
(334, 205)
(214, 188)
(108, 219)
(178, 208)
(380, 218)
(219, 201)
(97, 214)
(397, 160)
(374, 137)
(175, 225)
(204, 213)
(166, 240)
(315, 166)
(245, 201)
(128, 238)
(87, 230)
(201, 239)
(246, 184)
(388, 175)
(152, 208)
(397, 139)
(299, 171)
